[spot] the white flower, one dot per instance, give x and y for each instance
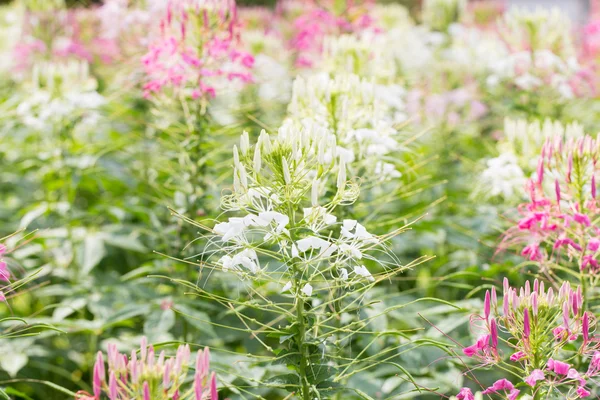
(386, 170)
(230, 230)
(363, 272)
(247, 258)
(317, 216)
(325, 248)
(344, 274)
(360, 232)
(307, 290)
(286, 287)
(352, 250)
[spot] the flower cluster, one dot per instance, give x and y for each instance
(550, 337)
(316, 22)
(197, 51)
(559, 220)
(279, 187)
(540, 56)
(353, 111)
(519, 147)
(440, 14)
(59, 93)
(144, 376)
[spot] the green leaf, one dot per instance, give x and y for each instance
(93, 252)
(159, 322)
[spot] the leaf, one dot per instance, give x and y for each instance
(157, 323)
(93, 252)
(67, 308)
(32, 215)
(13, 364)
(3, 395)
(125, 242)
(286, 380)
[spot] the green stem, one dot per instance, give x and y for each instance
(300, 339)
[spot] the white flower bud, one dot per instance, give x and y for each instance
(243, 177)
(236, 181)
(286, 171)
(314, 193)
(341, 178)
(245, 143)
(236, 157)
(265, 142)
(257, 160)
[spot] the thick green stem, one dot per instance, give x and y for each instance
(300, 339)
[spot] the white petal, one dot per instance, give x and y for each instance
(287, 287)
(307, 290)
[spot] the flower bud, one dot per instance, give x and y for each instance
(112, 387)
(257, 160)
(245, 143)
(486, 305)
(236, 157)
(341, 178)
(146, 391)
(314, 193)
(585, 327)
(286, 171)
(526, 325)
(494, 333)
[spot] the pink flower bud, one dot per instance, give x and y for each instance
(557, 190)
(570, 167)
(540, 171)
(213, 387)
(112, 387)
(146, 391)
(494, 333)
(494, 298)
(506, 285)
(505, 305)
(585, 328)
(486, 305)
(566, 315)
(198, 386)
(143, 349)
(534, 303)
(526, 326)
(594, 186)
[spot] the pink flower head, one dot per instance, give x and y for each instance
(558, 367)
(582, 392)
(519, 355)
(465, 394)
(503, 385)
(536, 375)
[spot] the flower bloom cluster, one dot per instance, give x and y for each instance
(144, 376)
(59, 93)
(278, 187)
(316, 22)
(519, 147)
(549, 335)
(197, 49)
(559, 219)
(440, 14)
(541, 55)
(350, 109)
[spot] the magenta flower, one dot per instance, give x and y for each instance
(197, 51)
(503, 385)
(465, 394)
(536, 375)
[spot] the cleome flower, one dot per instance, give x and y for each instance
(197, 51)
(557, 224)
(548, 333)
(287, 190)
(353, 111)
(143, 376)
(507, 174)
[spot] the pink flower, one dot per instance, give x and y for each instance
(582, 392)
(519, 355)
(536, 375)
(480, 345)
(503, 385)
(465, 394)
(4, 272)
(558, 367)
